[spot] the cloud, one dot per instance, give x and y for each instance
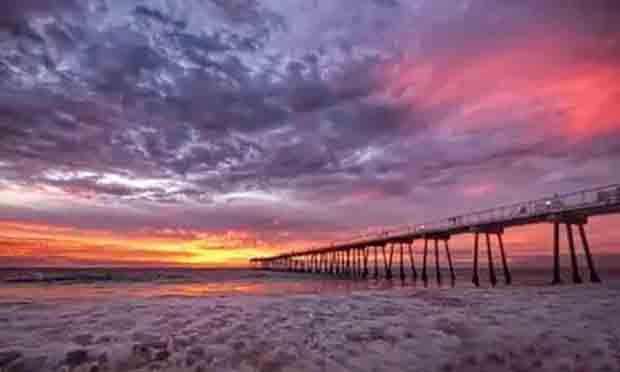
(169, 108)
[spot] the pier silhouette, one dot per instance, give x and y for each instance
(351, 258)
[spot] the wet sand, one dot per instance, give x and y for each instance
(566, 328)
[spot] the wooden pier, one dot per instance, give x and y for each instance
(351, 258)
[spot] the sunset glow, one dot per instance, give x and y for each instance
(530, 81)
(54, 245)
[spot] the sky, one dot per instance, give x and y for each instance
(205, 132)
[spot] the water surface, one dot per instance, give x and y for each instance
(89, 284)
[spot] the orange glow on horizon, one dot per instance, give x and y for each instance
(45, 245)
(62, 245)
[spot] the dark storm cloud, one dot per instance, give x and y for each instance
(216, 97)
(16, 12)
(220, 97)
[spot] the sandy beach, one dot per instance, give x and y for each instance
(565, 328)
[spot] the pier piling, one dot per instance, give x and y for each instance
(402, 263)
(594, 278)
(387, 263)
(414, 273)
(475, 279)
(424, 259)
(492, 276)
(556, 253)
(365, 273)
(358, 269)
(449, 256)
(376, 263)
(437, 269)
(573, 254)
(507, 276)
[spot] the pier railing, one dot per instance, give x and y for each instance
(558, 203)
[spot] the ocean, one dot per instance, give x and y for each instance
(92, 283)
(136, 320)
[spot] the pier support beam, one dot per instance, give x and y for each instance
(356, 262)
(317, 263)
(337, 268)
(569, 221)
(376, 272)
(338, 262)
(594, 278)
(361, 270)
(365, 273)
(488, 232)
(391, 258)
(507, 276)
(348, 269)
(492, 276)
(475, 279)
(424, 259)
(360, 262)
(573, 254)
(336, 271)
(328, 262)
(437, 269)
(353, 262)
(358, 272)
(414, 273)
(387, 261)
(556, 253)
(449, 256)
(402, 262)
